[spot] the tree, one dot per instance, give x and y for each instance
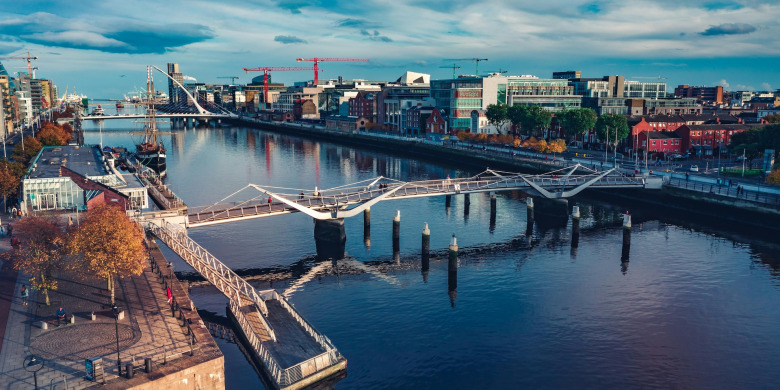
(773, 177)
(747, 142)
(26, 150)
(613, 124)
(774, 118)
(534, 119)
(516, 114)
(52, 135)
(556, 146)
(497, 116)
(541, 146)
(9, 182)
(110, 245)
(39, 253)
(577, 121)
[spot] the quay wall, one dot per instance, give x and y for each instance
(712, 206)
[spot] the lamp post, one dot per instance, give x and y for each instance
(115, 310)
(33, 364)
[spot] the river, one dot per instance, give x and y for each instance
(695, 307)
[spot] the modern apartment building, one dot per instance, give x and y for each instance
(707, 95)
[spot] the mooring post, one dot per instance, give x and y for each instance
(447, 201)
(396, 230)
(492, 225)
(467, 199)
(452, 268)
(529, 214)
(426, 252)
(367, 227)
(626, 240)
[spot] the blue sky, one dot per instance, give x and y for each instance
(101, 48)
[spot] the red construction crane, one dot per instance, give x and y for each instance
(317, 60)
(28, 58)
(266, 69)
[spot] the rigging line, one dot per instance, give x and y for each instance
(225, 198)
(354, 184)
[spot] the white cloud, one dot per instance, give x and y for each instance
(85, 38)
(766, 86)
(723, 83)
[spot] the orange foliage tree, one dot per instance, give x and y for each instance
(39, 253)
(52, 135)
(9, 182)
(774, 177)
(26, 150)
(110, 245)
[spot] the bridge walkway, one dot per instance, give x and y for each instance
(333, 203)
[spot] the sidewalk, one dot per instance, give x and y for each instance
(147, 330)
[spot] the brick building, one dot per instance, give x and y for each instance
(702, 139)
(436, 124)
(660, 142)
(363, 105)
(704, 95)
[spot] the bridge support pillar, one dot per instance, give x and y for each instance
(452, 270)
(624, 255)
(397, 232)
(529, 217)
(551, 213)
(426, 252)
(447, 201)
(330, 238)
(466, 205)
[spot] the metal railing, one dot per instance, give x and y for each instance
(257, 345)
(217, 273)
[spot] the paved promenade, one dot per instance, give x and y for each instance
(148, 329)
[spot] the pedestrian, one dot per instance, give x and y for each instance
(13, 212)
(687, 175)
(20, 213)
(302, 195)
(269, 200)
(25, 294)
(60, 315)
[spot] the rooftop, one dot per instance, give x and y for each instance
(87, 161)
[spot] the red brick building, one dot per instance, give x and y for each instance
(435, 123)
(660, 142)
(702, 139)
(711, 95)
(363, 105)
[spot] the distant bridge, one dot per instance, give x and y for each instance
(207, 115)
(352, 199)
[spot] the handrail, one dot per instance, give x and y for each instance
(220, 275)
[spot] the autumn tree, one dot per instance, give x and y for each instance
(39, 253)
(109, 244)
(541, 146)
(773, 177)
(26, 150)
(497, 116)
(9, 182)
(52, 135)
(577, 121)
(774, 118)
(556, 146)
(612, 128)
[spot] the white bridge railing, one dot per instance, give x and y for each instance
(217, 273)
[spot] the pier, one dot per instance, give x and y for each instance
(291, 351)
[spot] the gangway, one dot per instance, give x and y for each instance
(293, 353)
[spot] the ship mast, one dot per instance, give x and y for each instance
(150, 134)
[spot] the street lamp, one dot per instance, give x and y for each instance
(115, 310)
(33, 364)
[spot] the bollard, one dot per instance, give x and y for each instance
(129, 371)
(575, 212)
(425, 265)
(447, 201)
(72, 319)
(148, 365)
(367, 222)
(627, 221)
(396, 230)
(93, 317)
(44, 325)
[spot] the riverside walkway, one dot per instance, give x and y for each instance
(150, 328)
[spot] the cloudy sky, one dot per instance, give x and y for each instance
(101, 47)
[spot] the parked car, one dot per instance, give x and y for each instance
(694, 168)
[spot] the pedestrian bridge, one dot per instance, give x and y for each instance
(194, 115)
(352, 199)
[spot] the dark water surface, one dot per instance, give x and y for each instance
(694, 308)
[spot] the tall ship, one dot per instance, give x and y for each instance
(150, 151)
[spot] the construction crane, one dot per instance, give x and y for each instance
(499, 71)
(650, 77)
(28, 58)
(317, 61)
(232, 78)
(476, 61)
(266, 69)
(453, 67)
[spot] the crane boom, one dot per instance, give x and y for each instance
(232, 78)
(453, 67)
(28, 58)
(317, 60)
(476, 61)
(266, 69)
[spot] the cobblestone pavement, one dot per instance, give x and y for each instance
(148, 329)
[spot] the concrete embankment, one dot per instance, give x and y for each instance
(675, 201)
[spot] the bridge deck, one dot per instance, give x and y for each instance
(332, 200)
(298, 346)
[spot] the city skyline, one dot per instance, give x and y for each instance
(699, 43)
